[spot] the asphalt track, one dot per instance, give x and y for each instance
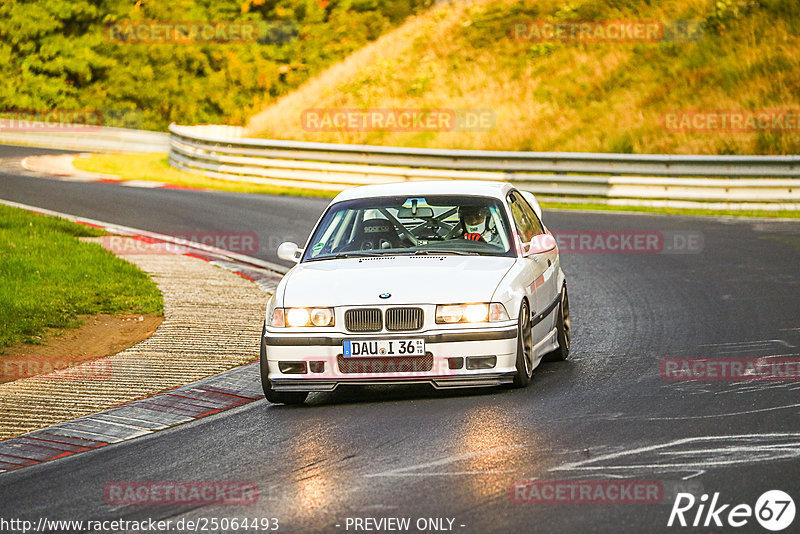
(606, 414)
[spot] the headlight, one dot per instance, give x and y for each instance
(282, 317)
(322, 317)
(297, 317)
(480, 312)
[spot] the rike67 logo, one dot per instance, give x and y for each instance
(774, 510)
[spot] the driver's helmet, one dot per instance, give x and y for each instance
(473, 218)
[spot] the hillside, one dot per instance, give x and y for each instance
(85, 57)
(739, 58)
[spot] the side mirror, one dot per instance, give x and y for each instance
(290, 251)
(540, 244)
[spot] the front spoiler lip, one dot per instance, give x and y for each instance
(438, 382)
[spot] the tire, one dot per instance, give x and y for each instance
(524, 363)
(563, 326)
(276, 397)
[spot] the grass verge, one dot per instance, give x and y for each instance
(48, 277)
(156, 168)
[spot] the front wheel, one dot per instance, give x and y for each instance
(276, 397)
(562, 329)
(524, 348)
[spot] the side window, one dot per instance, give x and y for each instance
(536, 224)
(525, 219)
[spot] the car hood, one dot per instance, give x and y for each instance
(409, 280)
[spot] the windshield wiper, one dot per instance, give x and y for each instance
(359, 254)
(343, 255)
(443, 252)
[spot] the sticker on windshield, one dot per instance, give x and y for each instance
(419, 201)
(318, 246)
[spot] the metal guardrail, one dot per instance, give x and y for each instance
(762, 182)
(92, 139)
(770, 180)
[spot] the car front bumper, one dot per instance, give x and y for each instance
(434, 369)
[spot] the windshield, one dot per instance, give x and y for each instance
(433, 224)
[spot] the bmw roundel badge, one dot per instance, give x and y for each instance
(385, 295)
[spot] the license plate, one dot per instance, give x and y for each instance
(382, 347)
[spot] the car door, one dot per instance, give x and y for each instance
(549, 290)
(534, 268)
(540, 265)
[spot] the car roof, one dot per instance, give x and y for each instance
(433, 187)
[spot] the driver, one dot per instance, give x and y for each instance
(475, 223)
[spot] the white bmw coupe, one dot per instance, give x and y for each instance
(449, 283)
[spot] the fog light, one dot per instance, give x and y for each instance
(455, 363)
(316, 367)
(481, 362)
(292, 368)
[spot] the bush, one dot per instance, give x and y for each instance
(57, 55)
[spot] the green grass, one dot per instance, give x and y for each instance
(155, 167)
(48, 277)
